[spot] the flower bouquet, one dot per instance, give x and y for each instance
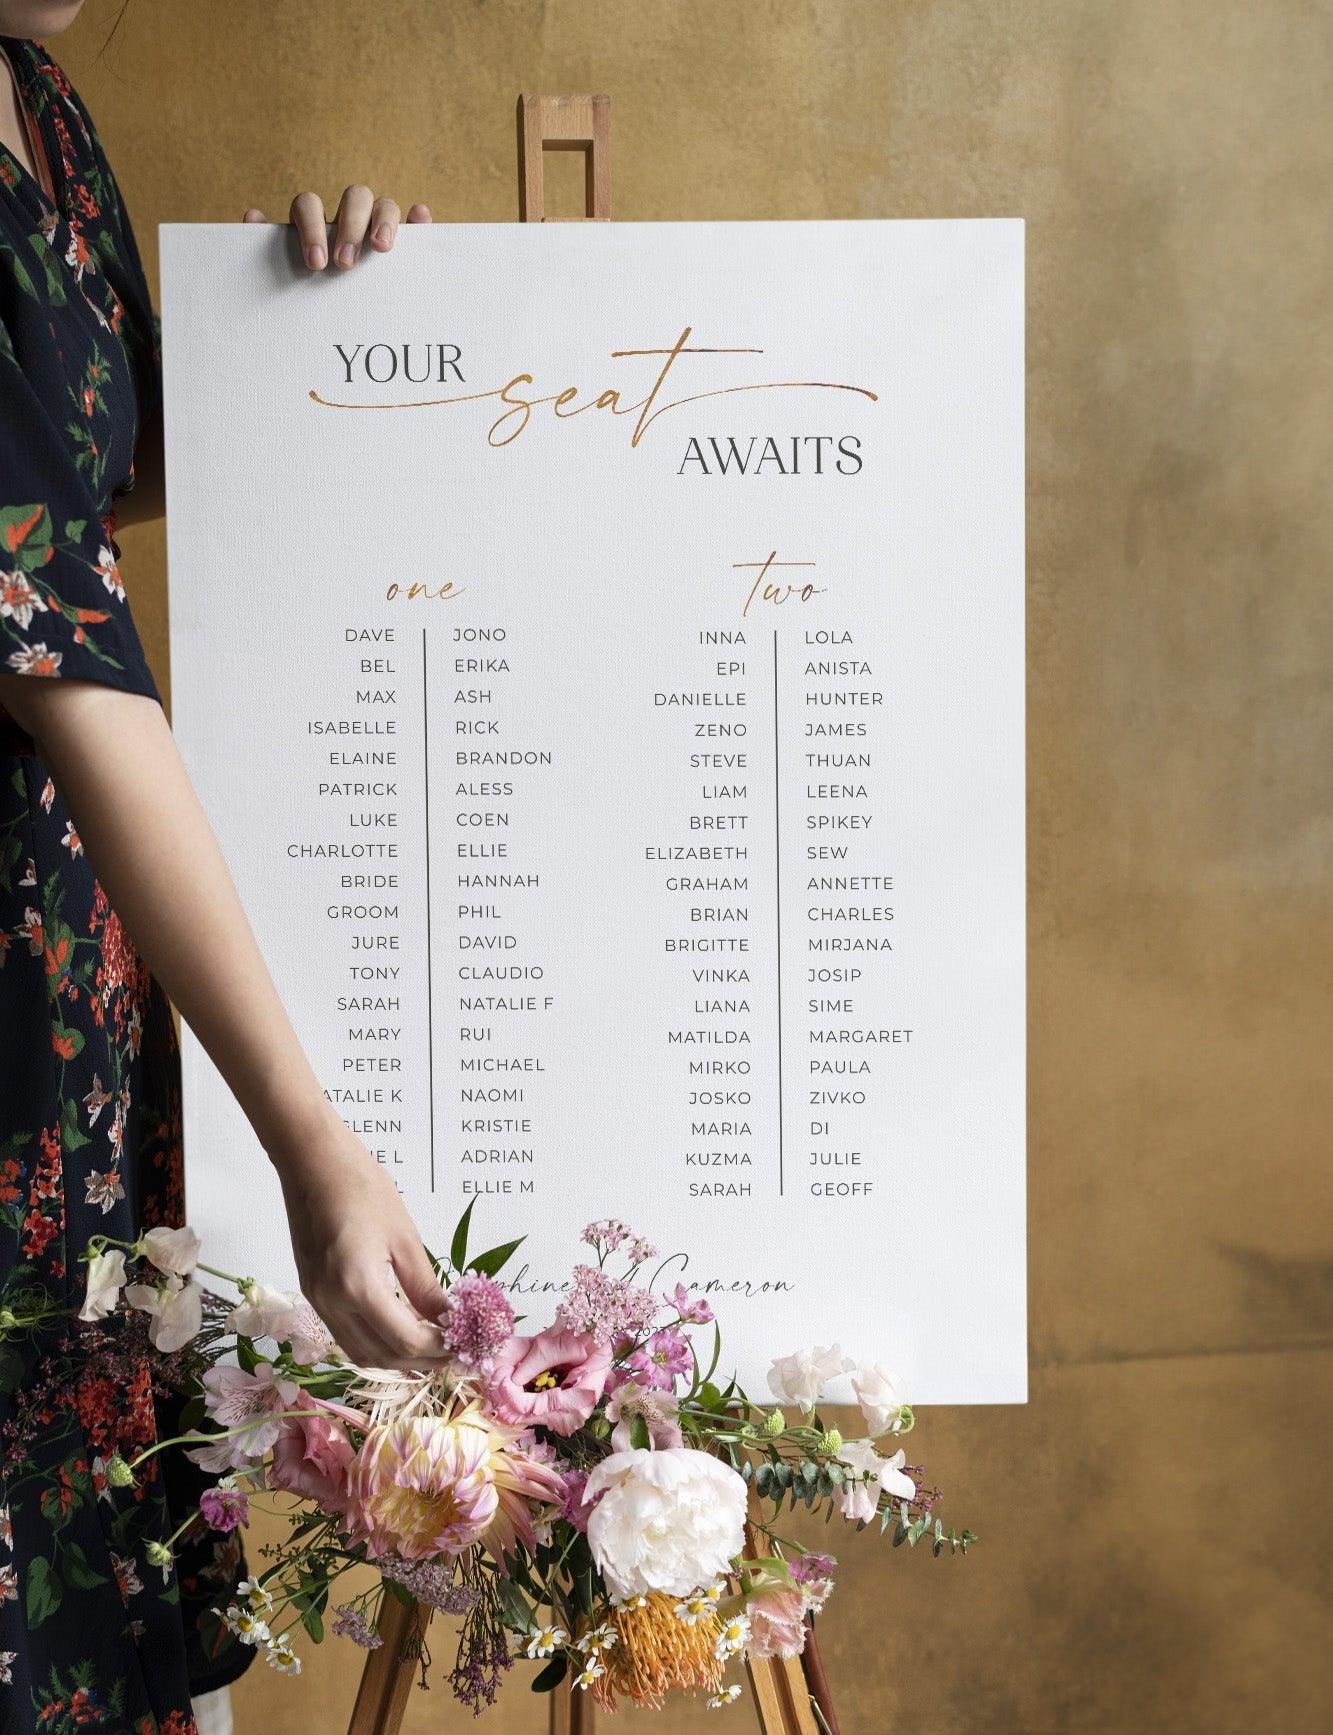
(589, 1496)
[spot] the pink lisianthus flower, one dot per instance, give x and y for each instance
(657, 1409)
(312, 1458)
(225, 1506)
(550, 1381)
(777, 1621)
(421, 1487)
(250, 1403)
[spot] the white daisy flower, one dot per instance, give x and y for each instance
(249, 1589)
(546, 1640)
(735, 1632)
(249, 1629)
(281, 1656)
(724, 1696)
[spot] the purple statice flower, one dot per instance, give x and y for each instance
(224, 1507)
(692, 1312)
(477, 1319)
(661, 1361)
(350, 1623)
(640, 1248)
(605, 1308)
(430, 1582)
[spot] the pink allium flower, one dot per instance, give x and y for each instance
(551, 1381)
(421, 1487)
(312, 1458)
(236, 1399)
(777, 1621)
(656, 1407)
(694, 1311)
(477, 1319)
(223, 1507)
(605, 1307)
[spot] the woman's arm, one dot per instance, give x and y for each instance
(115, 763)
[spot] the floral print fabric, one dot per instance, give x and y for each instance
(92, 1636)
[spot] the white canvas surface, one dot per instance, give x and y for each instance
(468, 824)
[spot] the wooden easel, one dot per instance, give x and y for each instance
(791, 1696)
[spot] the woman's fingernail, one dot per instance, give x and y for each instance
(315, 258)
(346, 254)
(383, 235)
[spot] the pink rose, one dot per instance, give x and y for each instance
(552, 1381)
(777, 1621)
(312, 1458)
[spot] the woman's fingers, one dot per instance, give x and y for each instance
(384, 220)
(406, 1340)
(307, 215)
(353, 219)
(417, 1280)
(360, 217)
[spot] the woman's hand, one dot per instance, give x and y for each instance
(352, 1237)
(145, 835)
(361, 216)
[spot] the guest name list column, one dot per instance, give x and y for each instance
(359, 861)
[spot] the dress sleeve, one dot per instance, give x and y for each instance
(62, 604)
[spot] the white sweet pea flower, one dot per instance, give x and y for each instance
(176, 1308)
(106, 1279)
(263, 1312)
(881, 1402)
(860, 1498)
(800, 1378)
(174, 1251)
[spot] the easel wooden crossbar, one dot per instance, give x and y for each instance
(790, 1694)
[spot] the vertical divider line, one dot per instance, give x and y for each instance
(430, 991)
(777, 873)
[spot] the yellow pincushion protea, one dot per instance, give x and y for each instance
(655, 1651)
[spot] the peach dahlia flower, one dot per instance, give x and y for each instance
(421, 1487)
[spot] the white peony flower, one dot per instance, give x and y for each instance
(666, 1521)
(874, 1474)
(800, 1378)
(176, 1308)
(175, 1251)
(106, 1279)
(880, 1400)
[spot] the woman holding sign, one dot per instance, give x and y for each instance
(115, 900)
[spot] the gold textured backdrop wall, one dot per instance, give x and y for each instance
(1151, 1556)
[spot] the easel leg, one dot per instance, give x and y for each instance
(571, 1712)
(387, 1677)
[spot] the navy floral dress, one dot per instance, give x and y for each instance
(92, 1634)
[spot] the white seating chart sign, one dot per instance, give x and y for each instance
(600, 649)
